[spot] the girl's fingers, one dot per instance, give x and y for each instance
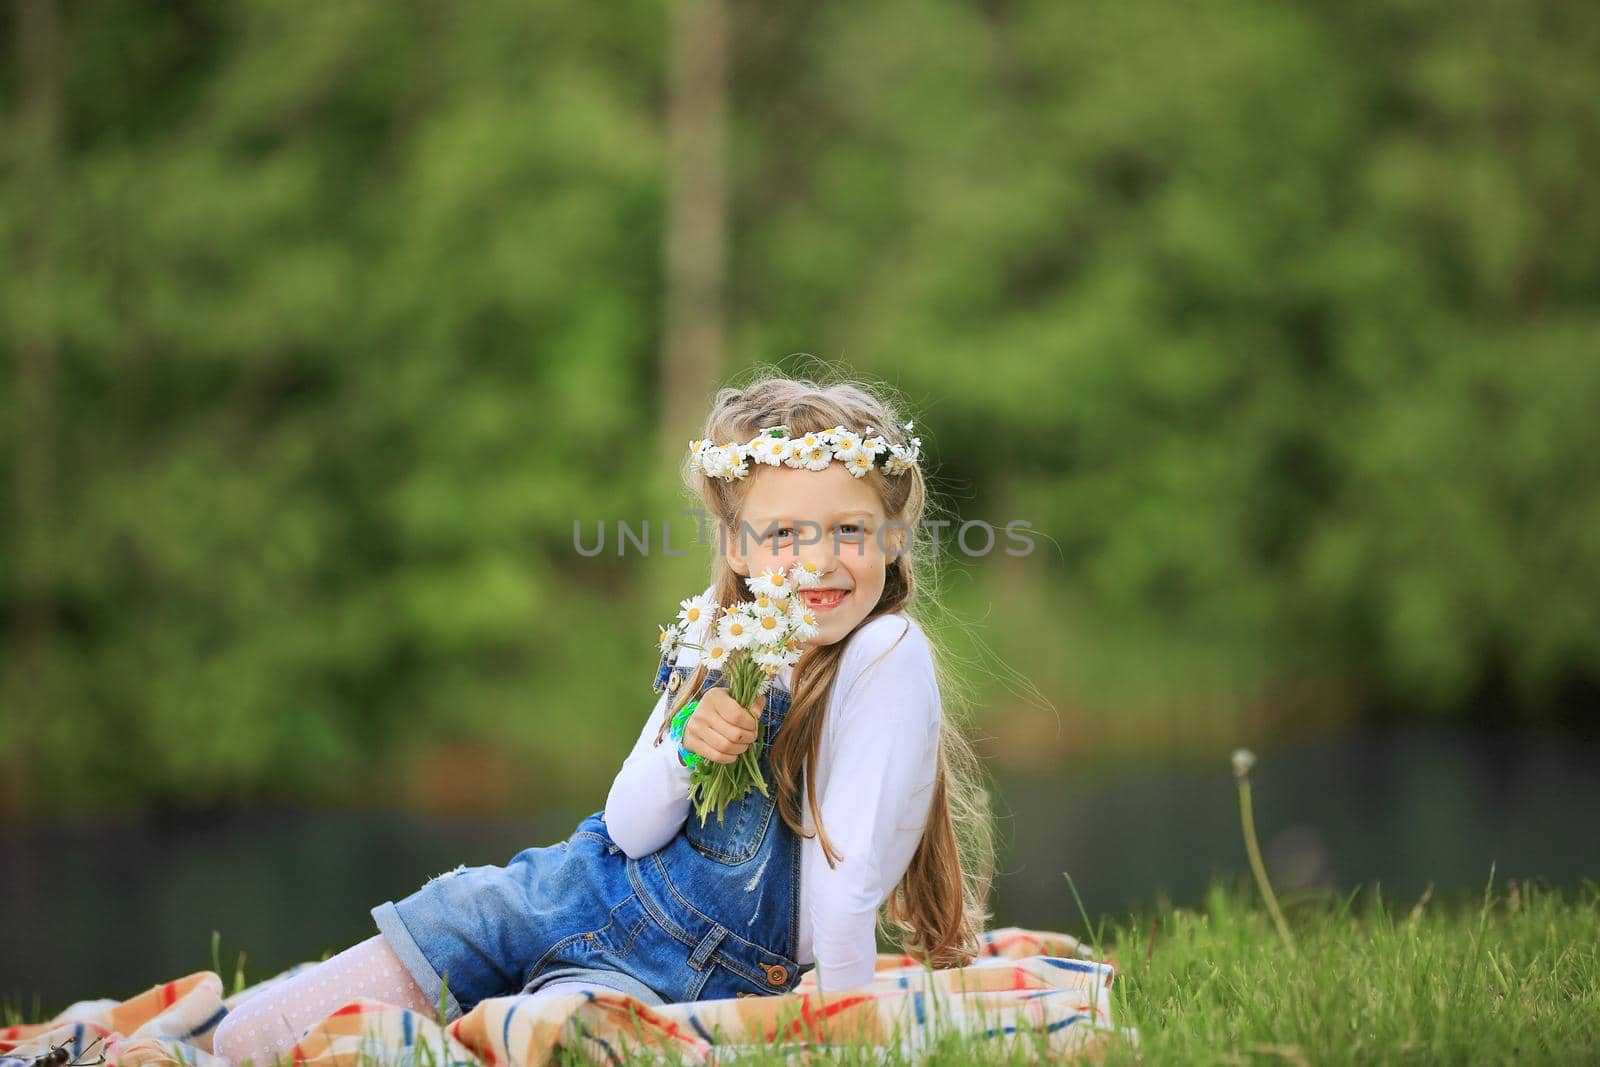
(718, 753)
(738, 723)
(736, 734)
(723, 740)
(716, 737)
(711, 752)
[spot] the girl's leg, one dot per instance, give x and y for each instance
(268, 1024)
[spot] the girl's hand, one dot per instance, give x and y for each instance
(720, 728)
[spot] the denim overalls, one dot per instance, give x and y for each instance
(714, 913)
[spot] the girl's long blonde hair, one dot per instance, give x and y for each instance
(939, 907)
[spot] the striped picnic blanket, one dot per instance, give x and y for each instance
(1030, 991)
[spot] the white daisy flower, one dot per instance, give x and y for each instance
(708, 460)
(845, 440)
(726, 461)
(771, 629)
(766, 604)
(695, 612)
(817, 459)
(736, 629)
(774, 584)
(875, 445)
(802, 621)
(716, 655)
(769, 450)
(670, 636)
(900, 460)
(801, 450)
(772, 660)
(805, 574)
(859, 463)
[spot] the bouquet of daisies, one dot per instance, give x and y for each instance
(751, 642)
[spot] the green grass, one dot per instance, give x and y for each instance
(1513, 976)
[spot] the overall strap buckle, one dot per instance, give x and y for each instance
(664, 670)
(708, 945)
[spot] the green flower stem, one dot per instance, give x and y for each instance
(712, 785)
(1259, 869)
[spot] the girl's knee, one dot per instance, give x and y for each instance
(232, 1039)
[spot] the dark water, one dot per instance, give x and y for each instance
(106, 911)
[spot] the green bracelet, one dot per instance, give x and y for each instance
(679, 721)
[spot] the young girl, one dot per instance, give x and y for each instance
(869, 780)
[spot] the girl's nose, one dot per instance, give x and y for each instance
(820, 554)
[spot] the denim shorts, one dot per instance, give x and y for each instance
(545, 916)
(713, 913)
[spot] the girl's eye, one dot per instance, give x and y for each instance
(849, 530)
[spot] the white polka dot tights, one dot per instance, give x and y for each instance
(267, 1025)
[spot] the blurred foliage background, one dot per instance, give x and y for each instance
(324, 323)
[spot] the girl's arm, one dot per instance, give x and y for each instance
(880, 748)
(649, 797)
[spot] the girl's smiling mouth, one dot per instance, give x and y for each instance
(823, 599)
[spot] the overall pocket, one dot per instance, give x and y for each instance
(619, 934)
(737, 838)
(606, 947)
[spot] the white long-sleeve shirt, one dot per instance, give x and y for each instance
(876, 762)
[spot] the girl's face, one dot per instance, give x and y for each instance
(829, 517)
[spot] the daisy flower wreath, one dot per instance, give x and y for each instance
(751, 642)
(813, 451)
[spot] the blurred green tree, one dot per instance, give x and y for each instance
(326, 322)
